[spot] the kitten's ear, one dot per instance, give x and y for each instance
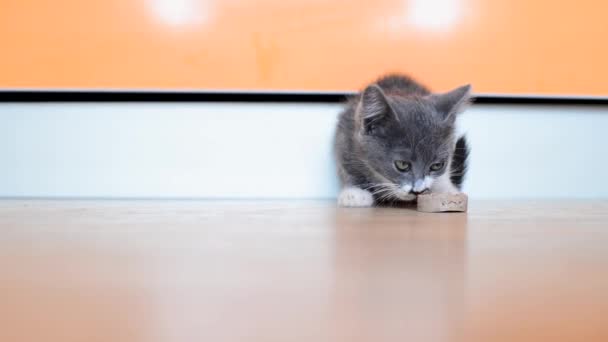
(374, 107)
(450, 104)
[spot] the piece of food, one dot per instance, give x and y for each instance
(437, 203)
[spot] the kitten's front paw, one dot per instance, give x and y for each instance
(444, 191)
(355, 197)
(444, 187)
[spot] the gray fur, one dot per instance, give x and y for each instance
(393, 119)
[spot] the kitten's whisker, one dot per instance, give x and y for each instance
(380, 191)
(387, 195)
(378, 186)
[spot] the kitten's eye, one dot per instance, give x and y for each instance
(402, 165)
(437, 166)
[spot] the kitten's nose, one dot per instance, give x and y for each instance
(419, 187)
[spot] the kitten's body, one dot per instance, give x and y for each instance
(397, 121)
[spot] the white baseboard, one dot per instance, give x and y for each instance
(220, 150)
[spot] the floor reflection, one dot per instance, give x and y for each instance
(401, 278)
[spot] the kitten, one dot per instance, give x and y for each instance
(396, 140)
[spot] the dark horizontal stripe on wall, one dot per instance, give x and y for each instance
(169, 96)
(162, 96)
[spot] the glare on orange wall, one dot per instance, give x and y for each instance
(500, 46)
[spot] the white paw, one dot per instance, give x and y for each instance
(450, 190)
(444, 186)
(355, 197)
(407, 197)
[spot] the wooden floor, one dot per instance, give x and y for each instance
(301, 271)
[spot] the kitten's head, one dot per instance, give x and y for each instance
(408, 141)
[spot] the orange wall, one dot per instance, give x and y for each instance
(501, 46)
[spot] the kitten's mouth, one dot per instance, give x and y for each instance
(405, 196)
(416, 193)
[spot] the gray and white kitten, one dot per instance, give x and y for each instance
(396, 140)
